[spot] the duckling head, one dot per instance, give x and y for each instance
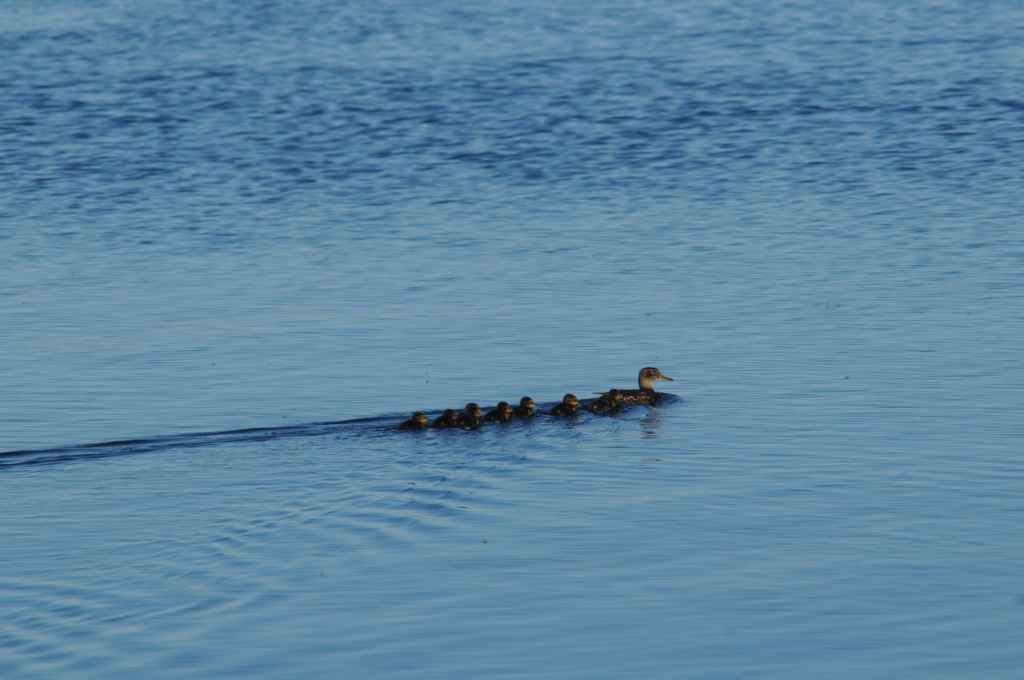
(504, 409)
(472, 409)
(526, 405)
(420, 418)
(649, 376)
(570, 401)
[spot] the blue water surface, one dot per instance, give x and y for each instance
(311, 218)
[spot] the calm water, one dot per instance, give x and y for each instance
(232, 215)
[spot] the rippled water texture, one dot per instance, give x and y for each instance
(306, 219)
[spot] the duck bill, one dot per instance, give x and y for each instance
(665, 377)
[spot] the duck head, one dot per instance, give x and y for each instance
(649, 376)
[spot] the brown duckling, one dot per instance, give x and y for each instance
(526, 408)
(502, 413)
(472, 416)
(608, 403)
(418, 421)
(450, 418)
(568, 407)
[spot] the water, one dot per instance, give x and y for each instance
(289, 216)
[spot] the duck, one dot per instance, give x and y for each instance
(502, 413)
(567, 407)
(526, 408)
(472, 416)
(646, 394)
(449, 418)
(418, 421)
(608, 403)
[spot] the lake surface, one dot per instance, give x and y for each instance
(311, 219)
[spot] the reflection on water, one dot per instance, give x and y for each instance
(650, 423)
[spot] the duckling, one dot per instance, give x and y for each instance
(526, 408)
(502, 413)
(450, 418)
(646, 394)
(568, 406)
(608, 403)
(418, 421)
(472, 416)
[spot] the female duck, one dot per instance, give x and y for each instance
(646, 393)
